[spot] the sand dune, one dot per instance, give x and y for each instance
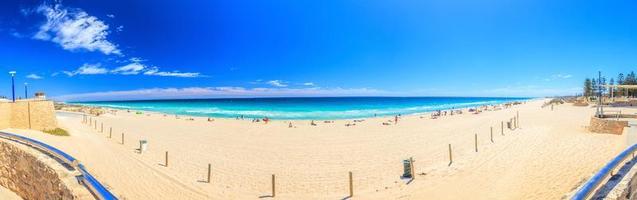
(545, 159)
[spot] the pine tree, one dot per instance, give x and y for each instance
(588, 87)
(620, 81)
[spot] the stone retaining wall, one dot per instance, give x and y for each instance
(33, 175)
(609, 125)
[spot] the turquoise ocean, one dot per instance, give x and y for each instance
(318, 108)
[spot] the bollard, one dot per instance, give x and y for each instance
(476, 142)
(166, 160)
(273, 188)
(450, 156)
(209, 170)
(351, 185)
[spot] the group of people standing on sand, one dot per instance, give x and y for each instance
(440, 113)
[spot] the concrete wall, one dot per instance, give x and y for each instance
(32, 114)
(611, 126)
(29, 177)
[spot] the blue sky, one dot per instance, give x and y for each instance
(96, 50)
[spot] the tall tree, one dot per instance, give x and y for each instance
(612, 86)
(588, 87)
(620, 81)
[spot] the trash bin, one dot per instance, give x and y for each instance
(407, 168)
(143, 145)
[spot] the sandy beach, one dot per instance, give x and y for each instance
(546, 158)
(6, 194)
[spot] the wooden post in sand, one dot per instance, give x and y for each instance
(95, 127)
(90, 121)
(491, 135)
(166, 160)
(517, 116)
(209, 170)
(450, 156)
(476, 142)
(502, 128)
(110, 132)
(102, 127)
(122, 138)
(351, 185)
(273, 186)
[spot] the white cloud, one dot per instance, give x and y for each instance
(218, 92)
(558, 76)
(87, 69)
(133, 68)
(130, 69)
(563, 76)
(34, 76)
(120, 28)
(309, 84)
(277, 83)
(110, 16)
(154, 71)
(74, 29)
(136, 59)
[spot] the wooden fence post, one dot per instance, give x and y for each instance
(122, 138)
(502, 128)
(351, 185)
(273, 186)
(209, 170)
(450, 156)
(110, 132)
(102, 127)
(517, 116)
(476, 142)
(166, 160)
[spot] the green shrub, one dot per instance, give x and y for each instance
(57, 131)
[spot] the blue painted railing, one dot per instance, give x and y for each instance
(591, 185)
(88, 180)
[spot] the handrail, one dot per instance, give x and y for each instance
(88, 180)
(585, 191)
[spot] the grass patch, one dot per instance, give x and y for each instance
(56, 131)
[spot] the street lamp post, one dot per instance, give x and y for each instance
(12, 84)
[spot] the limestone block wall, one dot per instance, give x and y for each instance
(5, 115)
(32, 114)
(611, 126)
(30, 178)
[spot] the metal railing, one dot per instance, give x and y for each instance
(592, 184)
(87, 179)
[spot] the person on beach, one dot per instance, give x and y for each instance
(290, 125)
(396, 119)
(266, 120)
